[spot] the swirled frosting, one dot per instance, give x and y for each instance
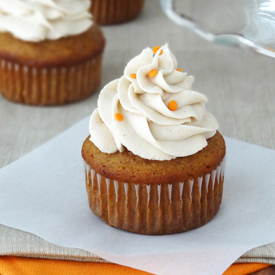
(37, 20)
(134, 111)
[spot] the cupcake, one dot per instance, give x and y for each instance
(50, 51)
(154, 159)
(106, 12)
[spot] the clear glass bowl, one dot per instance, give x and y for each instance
(243, 23)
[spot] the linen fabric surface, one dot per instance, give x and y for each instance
(238, 84)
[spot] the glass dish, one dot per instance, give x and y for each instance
(242, 23)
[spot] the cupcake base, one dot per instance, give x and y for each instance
(156, 209)
(107, 12)
(49, 86)
(51, 72)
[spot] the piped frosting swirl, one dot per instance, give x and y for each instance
(161, 118)
(37, 20)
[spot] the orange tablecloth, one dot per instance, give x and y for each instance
(26, 266)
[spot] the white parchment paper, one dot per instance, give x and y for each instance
(44, 193)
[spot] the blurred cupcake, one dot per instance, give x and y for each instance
(154, 158)
(50, 51)
(106, 12)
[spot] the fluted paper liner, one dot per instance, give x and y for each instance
(49, 86)
(156, 208)
(115, 11)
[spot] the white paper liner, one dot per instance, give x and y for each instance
(217, 175)
(155, 208)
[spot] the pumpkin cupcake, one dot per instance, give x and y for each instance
(50, 52)
(154, 158)
(106, 12)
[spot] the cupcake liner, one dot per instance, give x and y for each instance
(155, 208)
(49, 86)
(115, 11)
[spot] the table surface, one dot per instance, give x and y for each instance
(239, 85)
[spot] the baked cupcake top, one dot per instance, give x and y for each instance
(37, 20)
(152, 111)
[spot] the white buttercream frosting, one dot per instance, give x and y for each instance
(37, 20)
(149, 128)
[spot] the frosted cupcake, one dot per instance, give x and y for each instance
(50, 51)
(154, 158)
(106, 12)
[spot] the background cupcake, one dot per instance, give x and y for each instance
(50, 52)
(154, 159)
(115, 11)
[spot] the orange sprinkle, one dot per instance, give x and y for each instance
(172, 105)
(118, 116)
(155, 49)
(153, 73)
(133, 76)
(179, 70)
(270, 49)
